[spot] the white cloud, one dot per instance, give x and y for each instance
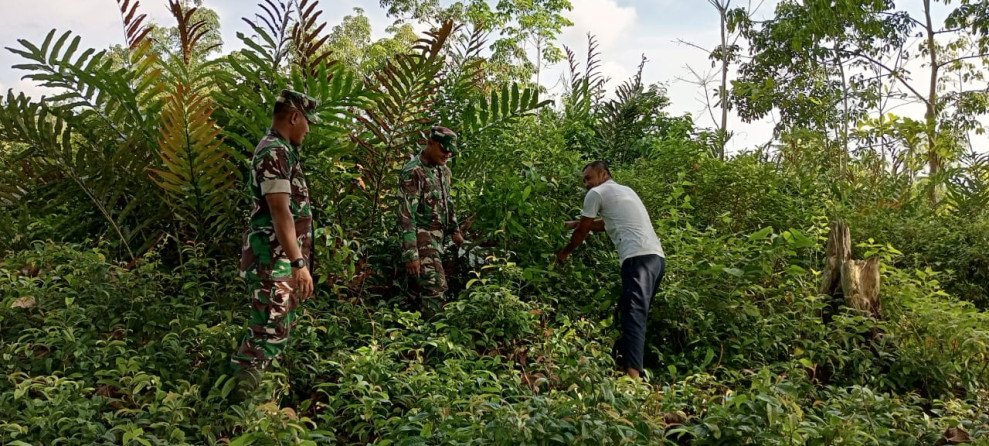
(605, 19)
(96, 19)
(97, 22)
(610, 24)
(616, 72)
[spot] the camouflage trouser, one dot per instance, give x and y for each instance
(429, 289)
(273, 306)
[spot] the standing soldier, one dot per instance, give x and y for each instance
(276, 255)
(426, 216)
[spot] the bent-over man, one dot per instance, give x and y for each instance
(643, 262)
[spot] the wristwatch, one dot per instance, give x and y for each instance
(299, 263)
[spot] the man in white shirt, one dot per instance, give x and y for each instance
(643, 262)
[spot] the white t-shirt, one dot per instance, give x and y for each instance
(625, 219)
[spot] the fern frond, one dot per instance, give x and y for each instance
(98, 96)
(339, 92)
(309, 39)
(55, 152)
(135, 31)
(500, 109)
(246, 95)
(143, 67)
(190, 31)
(18, 125)
(196, 176)
(464, 75)
(586, 88)
(624, 121)
(268, 48)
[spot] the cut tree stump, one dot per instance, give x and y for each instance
(860, 285)
(954, 435)
(857, 281)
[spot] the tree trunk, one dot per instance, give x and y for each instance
(934, 161)
(860, 285)
(723, 93)
(857, 281)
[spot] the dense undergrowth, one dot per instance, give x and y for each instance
(743, 349)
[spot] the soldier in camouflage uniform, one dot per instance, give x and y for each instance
(426, 216)
(277, 250)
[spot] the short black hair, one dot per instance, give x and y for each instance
(600, 165)
(282, 109)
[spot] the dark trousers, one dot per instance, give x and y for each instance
(641, 276)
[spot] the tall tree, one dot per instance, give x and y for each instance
(817, 56)
(536, 23)
(351, 43)
(723, 57)
(801, 60)
(524, 25)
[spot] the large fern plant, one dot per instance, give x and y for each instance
(126, 130)
(195, 173)
(287, 50)
(432, 84)
(132, 128)
(93, 140)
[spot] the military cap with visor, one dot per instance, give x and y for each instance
(301, 102)
(446, 138)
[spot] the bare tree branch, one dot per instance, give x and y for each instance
(892, 72)
(690, 44)
(959, 59)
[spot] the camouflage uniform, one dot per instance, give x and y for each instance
(275, 168)
(425, 217)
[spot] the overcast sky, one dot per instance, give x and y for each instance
(625, 29)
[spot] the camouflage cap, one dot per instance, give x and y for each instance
(305, 104)
(446, 138)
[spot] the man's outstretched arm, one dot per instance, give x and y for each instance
(584, 227)
(596, 225)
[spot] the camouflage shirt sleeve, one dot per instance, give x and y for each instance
(453, 227)
(408, 195)
(273, 171)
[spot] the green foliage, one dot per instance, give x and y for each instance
(351, 44)
(196, 168)
(808, 72)
(497, 368)
(623, 129)
(627, 120)
(494, 315)
(830, 66)
(94, 138)
(527, 30)
(536, 23)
